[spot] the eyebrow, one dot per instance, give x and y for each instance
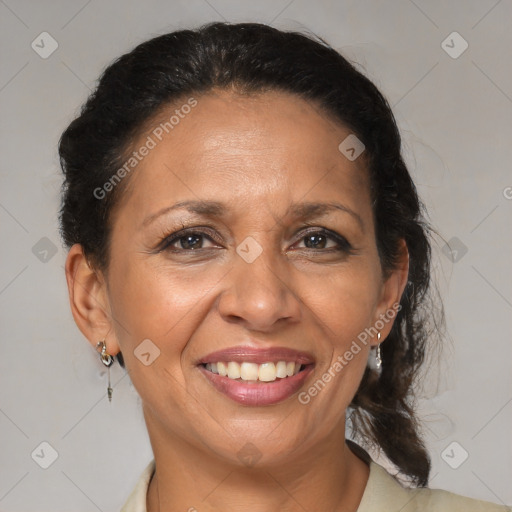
(215, 208)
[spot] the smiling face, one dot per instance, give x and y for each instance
(261, 265)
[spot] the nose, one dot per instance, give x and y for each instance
(259, 294)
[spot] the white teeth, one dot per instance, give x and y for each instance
(281, 369)
(233, 370)
(266, 372)
(222, 369)
(249, 371)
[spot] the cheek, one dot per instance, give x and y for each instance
(161, 304)
(154, 301)
(343, 305)
(343, 300)
(155, 312)
(342, 314)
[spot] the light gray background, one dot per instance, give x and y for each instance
(455, 116)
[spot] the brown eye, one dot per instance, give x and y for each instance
(185, 240)
(190, 242)
(320, 238)
(316, 241)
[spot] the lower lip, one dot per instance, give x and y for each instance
(254, 393)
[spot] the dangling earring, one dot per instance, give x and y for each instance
(107, 360)
(378, 359)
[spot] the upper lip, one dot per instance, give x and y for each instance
(241, 354)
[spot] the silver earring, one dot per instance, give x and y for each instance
(107, 360)
(378, 359)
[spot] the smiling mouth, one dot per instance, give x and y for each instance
(253, 372)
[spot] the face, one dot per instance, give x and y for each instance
(248, 272)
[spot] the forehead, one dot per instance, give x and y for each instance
(234, 147)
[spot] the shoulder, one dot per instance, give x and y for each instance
(438, 499)
(384, 493)
(136, 502)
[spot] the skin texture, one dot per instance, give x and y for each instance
(255, 154)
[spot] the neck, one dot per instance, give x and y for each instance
(327, 477)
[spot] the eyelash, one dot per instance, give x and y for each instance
(168, 240)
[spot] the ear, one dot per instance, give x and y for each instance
(89, 300)
(391, 292)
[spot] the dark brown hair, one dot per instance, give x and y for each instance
(253, 58)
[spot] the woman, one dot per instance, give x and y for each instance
(243, 230)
